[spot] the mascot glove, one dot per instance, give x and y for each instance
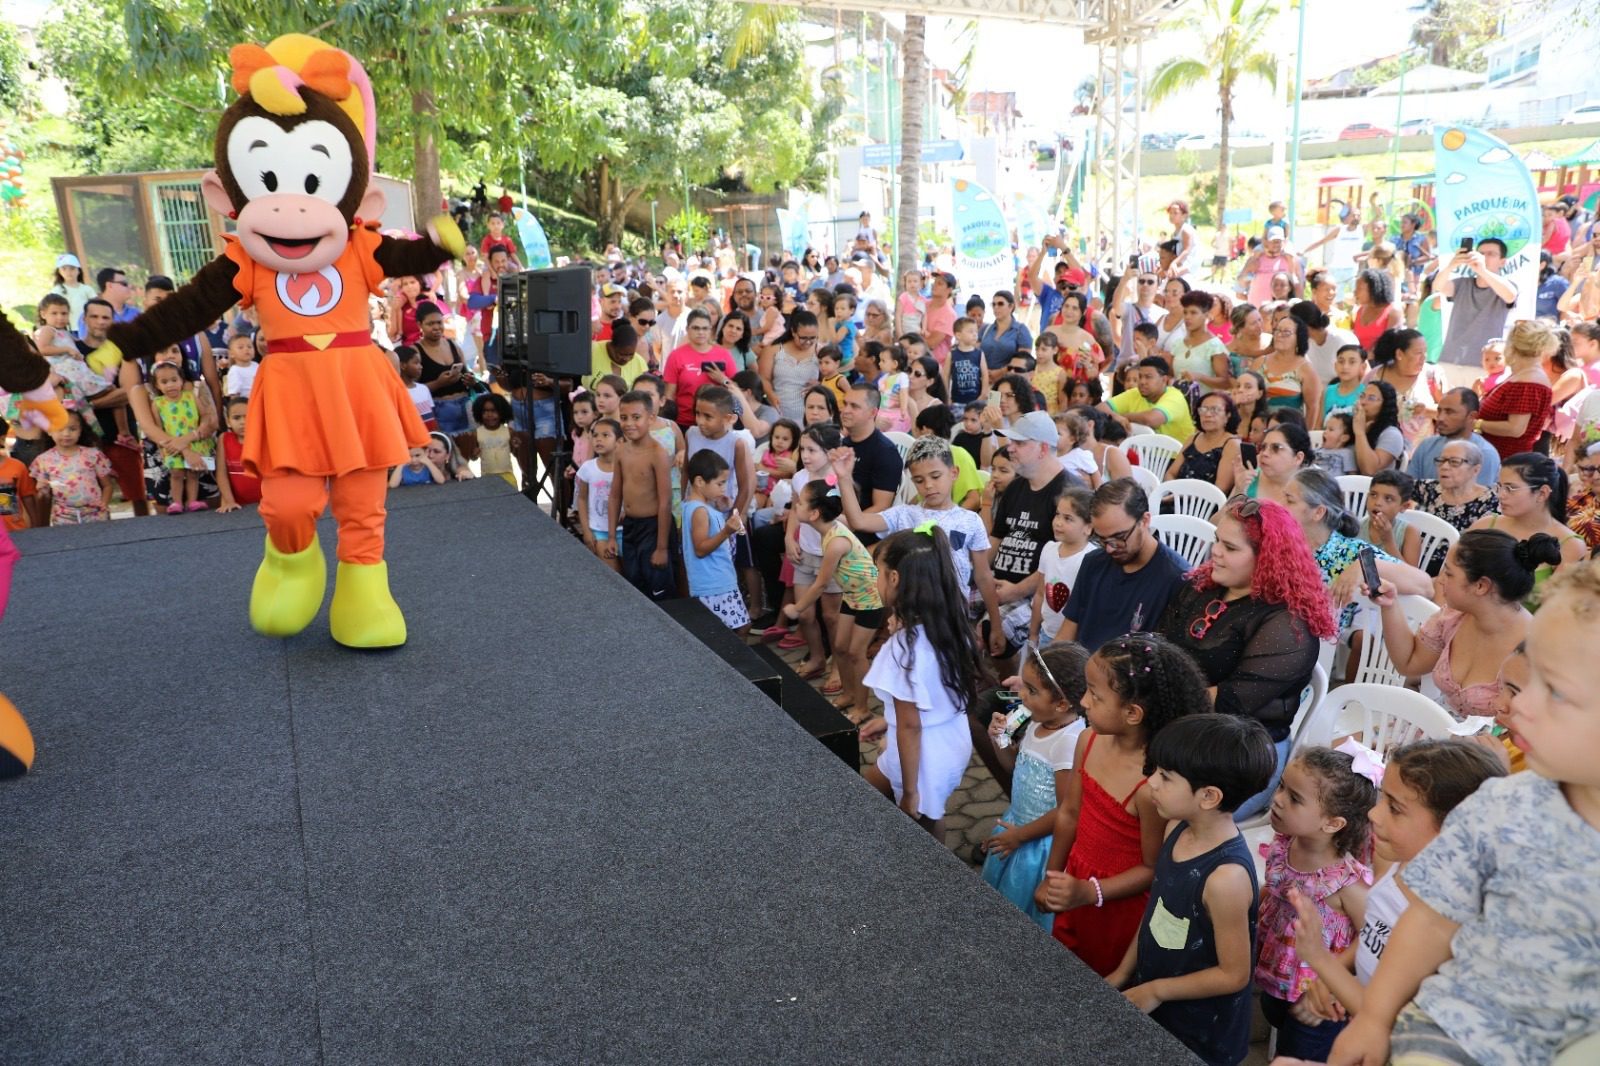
(447, 235)
(42, 410)
(104, 361)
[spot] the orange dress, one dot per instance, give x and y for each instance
(326, 401)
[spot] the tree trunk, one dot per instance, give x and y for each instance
(426, 195)
(1222, 163)
(913, 94)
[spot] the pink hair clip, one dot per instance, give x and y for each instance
(1363, 760)
(831, 479)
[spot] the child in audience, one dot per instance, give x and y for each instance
(932, 467)
(411, 375)
(803, 549)
(236, 486)
(1076, 431)
(966, 375)
(178, 412)
(664, 431)
(783, 445)
(1051, 687)
(594, 488)
(1494, 959)
(830, 371)
(1107, 831)
(1339, 396)
(53, 337)
(926, 674)
(861, 613)
(74, 475)
(491, 417)
(584, 413)
(1059, 563)
(443, 455)
(607, 395)
(912, 307)
(895, 409)
(1086, 393)
(1422, 782)
(420, 469)
(1338, 452)
(971, 435)
(1189, 966)
(1494, 366)
(639, 518)
(844, 326)
(242, 368)
(1319, 818)
(706, 532)
(1388, 500)
(1002, 472)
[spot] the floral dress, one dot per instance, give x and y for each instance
(1279, 972)
(1334, 556)
(74, 481)
(1461, 515)
(1583, 517)
(178, 417)
(1462, 701)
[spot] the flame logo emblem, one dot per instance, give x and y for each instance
(311, 294)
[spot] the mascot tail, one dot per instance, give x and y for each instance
(25, 372)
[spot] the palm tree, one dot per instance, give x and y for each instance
(913, 94)
(1232, 36)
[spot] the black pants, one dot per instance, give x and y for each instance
(638, 544)
(767, 545)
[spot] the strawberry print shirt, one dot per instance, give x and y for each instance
(1060, 574)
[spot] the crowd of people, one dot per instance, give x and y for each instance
(943, 508)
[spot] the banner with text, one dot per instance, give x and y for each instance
(1483, 190)
(984, 263)
(534, 242)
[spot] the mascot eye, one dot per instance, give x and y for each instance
(311, 184)
(270, 180)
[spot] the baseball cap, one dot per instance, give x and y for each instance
(1075, 276)
(1274, 233)
(613, 290)
(67, 259)
(1035, 425)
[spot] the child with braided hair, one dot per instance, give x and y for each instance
(1108, 832)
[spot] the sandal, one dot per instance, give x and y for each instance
(772, 633)
(814, 673)
(792, 641)
(833, 688)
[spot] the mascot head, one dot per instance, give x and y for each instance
(294, 153)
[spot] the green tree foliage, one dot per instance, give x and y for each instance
(1240, 50)
(13, 90)
(1456, 32)
(600, 101)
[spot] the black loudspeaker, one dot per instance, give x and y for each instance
(544, 322)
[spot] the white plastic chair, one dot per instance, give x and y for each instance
(907, 493)
(1139, 429)
(1147, 481)
(1437, 534)
(1310, 698)
(902, 443)
(1155, 451)
(1316, 437)
(1375, 666)
(1380, 716)
(1191, 496)
(1190, 537)
(1355, 488)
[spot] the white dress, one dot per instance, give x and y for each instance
(906, 668)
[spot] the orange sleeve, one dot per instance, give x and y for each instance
(244, 282)
(366, 242)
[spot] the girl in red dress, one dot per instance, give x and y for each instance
(1107, 832)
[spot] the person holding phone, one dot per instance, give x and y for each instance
(1477, 310)
(695, 363)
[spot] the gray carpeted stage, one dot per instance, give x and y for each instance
(553, 828)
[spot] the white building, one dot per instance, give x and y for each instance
(1547, 53)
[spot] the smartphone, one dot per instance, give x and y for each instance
(994, 397)
(706, 368)
(1369, 570)
(1466, 244)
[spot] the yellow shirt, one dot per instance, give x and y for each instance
(967, 477)
(1173, 403)
(601, 365)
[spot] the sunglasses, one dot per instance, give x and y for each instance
(1202, 625)
(1586, 471)
(646, 321)
(1147, 281)
(1453, 462)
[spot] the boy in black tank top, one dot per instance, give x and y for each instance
(1189, 968)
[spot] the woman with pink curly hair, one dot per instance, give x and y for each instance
(1252, 617)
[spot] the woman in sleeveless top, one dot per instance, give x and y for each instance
(1375, 307)
(1291, 380)
(1533, 499)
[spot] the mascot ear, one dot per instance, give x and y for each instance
(372, 203)
(215, 196)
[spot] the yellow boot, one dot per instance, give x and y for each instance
(287, 593)
(363, 614)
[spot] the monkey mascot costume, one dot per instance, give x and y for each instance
(24, 372)
(328, 415)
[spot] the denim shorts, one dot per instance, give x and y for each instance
(544, 418)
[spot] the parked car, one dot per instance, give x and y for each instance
(1412, 127)
(1197, 142)
(1314, 135)
(1361, 131)
(1582, 115)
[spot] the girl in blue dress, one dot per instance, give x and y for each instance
(1051, 686)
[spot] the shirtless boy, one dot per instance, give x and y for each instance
(641, 501)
